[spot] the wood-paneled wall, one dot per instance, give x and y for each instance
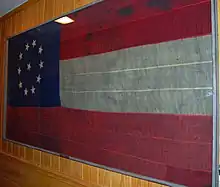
(23, 167)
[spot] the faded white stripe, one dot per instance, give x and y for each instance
(147, 90)
(170, 77)
(146, 68)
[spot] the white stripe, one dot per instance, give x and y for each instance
(146, 68)
(169, 77)
(173, 52)
(147, 90)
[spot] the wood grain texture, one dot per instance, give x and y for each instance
(23, 167)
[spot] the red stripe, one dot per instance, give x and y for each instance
(146, 144)
(109, 30)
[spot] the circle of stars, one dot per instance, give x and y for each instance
(21, 55)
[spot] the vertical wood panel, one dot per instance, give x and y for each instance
(29, 155)
(29, 15)
(49, 9)
(16, 151)
(55, 163)
(4, 146)
(40, 6)
(80, 3)
(68, 6)
(10, 148)
(65, 167)
(76, 170)
(58, 8)
(94, 175)
(37, 157)
(45, 160)
(22, 152)
(104, 178)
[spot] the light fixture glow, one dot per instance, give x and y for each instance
(64, 20)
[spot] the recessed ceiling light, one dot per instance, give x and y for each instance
(64, 20)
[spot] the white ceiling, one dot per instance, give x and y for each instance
(8, 5)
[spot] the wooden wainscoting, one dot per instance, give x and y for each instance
(53, 171)
(14, 173)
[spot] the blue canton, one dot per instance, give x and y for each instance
(33, 68)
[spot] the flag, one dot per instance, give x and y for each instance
(127, 85)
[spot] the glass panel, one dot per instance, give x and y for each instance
(125, 85)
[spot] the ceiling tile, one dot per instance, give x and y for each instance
(8, 5)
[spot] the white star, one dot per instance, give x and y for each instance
(20, 84)
(40, 50)
(41, 64)
(27, 47)
(20, 56)
(29, 66)
(38, 79)
(26, 91)
(33, 90)
(34, 43)
(19, 71)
